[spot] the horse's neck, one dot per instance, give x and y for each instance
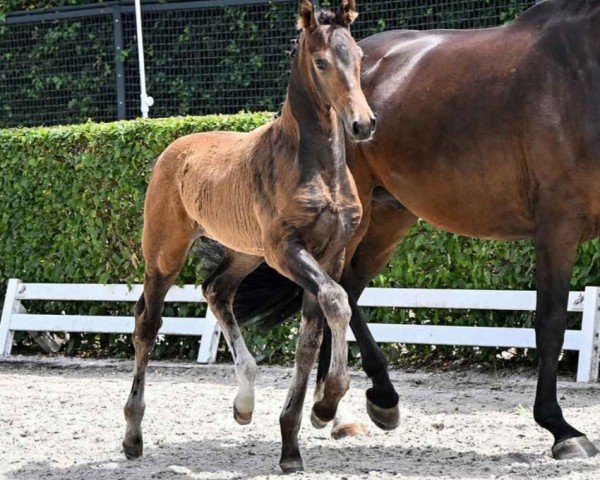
(581, 17)
(321, 147)
(554, 11)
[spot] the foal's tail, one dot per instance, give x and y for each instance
(265, 298)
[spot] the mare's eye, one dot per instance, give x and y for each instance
(321, 64)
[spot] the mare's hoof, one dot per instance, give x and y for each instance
(132, 452)
(291, 466)
(349, 430)
(578, 447)
(241, 418)
(385, 418)
(316, 421)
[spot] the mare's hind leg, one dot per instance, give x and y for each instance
(165, 246)
(219, 290)
(306, 353)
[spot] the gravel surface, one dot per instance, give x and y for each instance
(62, 419)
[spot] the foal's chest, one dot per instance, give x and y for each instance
(330, 218)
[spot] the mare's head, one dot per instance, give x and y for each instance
(329, 57)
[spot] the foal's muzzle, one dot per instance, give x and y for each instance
(363, 130)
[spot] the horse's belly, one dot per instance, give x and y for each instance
(232, 224)
(456, 209)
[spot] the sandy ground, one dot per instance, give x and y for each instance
(62, 420)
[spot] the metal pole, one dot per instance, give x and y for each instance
(120, 70)
(147, 101)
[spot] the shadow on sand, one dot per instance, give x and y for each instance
(219, 459)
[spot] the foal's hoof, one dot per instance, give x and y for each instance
(291, 466)
(385, 418)
(133, 451)
(316, 421)
(348, 430)
(241, 418)
(578, 447)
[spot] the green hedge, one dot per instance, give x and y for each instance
(71, 210)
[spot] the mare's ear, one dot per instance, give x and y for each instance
(348, 11)
(307, 16)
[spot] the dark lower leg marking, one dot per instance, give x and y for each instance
(147, 323)
(333, 301)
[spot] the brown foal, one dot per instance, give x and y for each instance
(281, 193)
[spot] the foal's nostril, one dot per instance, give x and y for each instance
(356, 128)
(373, 124)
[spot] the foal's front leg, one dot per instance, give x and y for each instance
(292, 260)
(328, 393)
(219, 290)
(291, 416)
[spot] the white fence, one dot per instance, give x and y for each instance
(16, 318)
(586, 340)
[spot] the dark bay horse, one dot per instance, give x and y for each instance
(282, 193)
(490, 133)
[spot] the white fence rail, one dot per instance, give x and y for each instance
(16, 318)
(586, 341)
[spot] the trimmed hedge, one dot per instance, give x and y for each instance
(71, 211)
(71, 206)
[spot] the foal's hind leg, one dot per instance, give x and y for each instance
(165, 250)
(219, 290)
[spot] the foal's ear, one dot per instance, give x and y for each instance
(348, 11)
(307, 15)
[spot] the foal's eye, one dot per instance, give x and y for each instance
(321, 64)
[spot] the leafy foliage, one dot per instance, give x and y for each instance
(14, 5)
(72, 202)
(212, 59)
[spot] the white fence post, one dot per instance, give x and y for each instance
(11, 305)
(589, 354)
(209, 342)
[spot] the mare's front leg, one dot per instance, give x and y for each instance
(219, 290)
(309, 340)
(292, 260)
(388, 223)
(556, 248)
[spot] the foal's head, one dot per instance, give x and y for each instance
(330, 58)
